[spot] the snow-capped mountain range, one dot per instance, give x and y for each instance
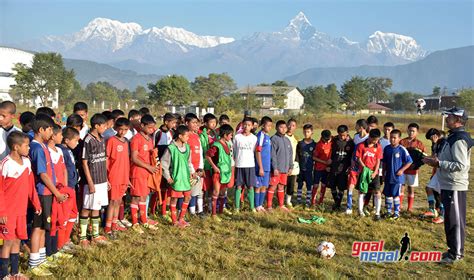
(260, 57)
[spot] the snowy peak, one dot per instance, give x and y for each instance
(182, 36)
(395, 44)
(300, 28)
(117, 35)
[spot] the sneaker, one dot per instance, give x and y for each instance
(377, 218)
(362, 214)
(152, 222)
(84, 243)
(112, 235)
(167, 218)
(284, 209)
(62, 255)
(448, 259)
(289, 205)
(438, 220)
(227, 212)
(150, 226)
(40, 271)
(137, 228)
(47, 264)
(126, 223)
(202, 215)
(387, 215)
(183, 224)
(100, 240)
(120, 228)
(348, 211)
(395, 217)
(430, 214)
(366, 212)
(254, 210)
(68, 246)
(236, 211)
(216, 219)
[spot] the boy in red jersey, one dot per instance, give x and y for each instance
(322, 162)
(141, 148)
(17, 186)
(197, 160)
(118, 171)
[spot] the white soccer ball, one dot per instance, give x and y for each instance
(326, 250)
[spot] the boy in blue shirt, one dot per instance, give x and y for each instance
(396, 160)
(263, 162)
(304, 156)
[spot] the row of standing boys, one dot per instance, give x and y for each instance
(88, 174)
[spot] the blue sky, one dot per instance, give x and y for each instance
(435, 24)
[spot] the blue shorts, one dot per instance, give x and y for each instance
(320, 176)
(245, 177)
(305, 177)
(263, 181)
(392, 190)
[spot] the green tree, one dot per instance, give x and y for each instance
(332, 97)
(140, 95)
(175, 89)
(466, 99)
(378, 88)
(436, 91)
(102, 91)
(213, 87)
(405, 101)
(355, 93)
(280, 83)
(46, 76)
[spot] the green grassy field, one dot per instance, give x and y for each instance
(269, 246)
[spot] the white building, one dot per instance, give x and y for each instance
(294, 100)
(8, 58)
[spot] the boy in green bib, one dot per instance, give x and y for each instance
(219, 157)
(178, 171)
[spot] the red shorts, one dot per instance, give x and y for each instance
(139, 187)
(353, 177)
(280, 179)
(177, 194)
(216, 179)
(117, 191)
(207, 182)
(14, 229)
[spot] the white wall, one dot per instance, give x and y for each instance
(294, 100)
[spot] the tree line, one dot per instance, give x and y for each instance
(47, 75)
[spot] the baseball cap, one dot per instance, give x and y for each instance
(460, 112)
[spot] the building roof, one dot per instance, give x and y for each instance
(263, 90)
(375, 106)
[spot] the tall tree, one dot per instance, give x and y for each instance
(140, 95)
(279, 96)
(46, 76)
(405, 101)
(175, 89)
(333, 99)
(379, 88)
(211, 88)
(436, 91)
(355, 93)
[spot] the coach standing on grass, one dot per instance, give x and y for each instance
(453, 164)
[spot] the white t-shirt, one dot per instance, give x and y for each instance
(384, 142)
(244, 150)
(84, 131)
(4, 150)
(130, 133)
(358, 139)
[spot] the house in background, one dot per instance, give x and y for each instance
(293, 99)
(375, 109)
